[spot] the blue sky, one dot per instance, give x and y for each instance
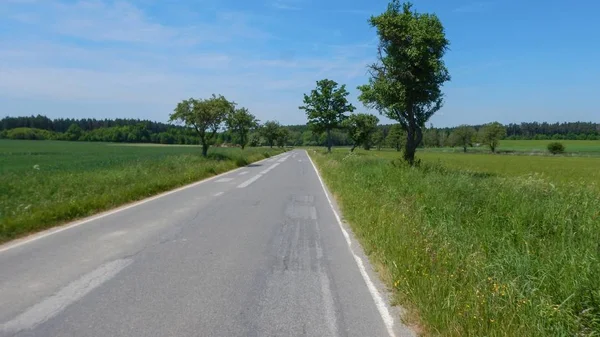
(510, 60)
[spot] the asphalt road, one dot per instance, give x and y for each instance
(257, 251)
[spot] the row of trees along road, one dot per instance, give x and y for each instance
(404, 85)
(208, 116)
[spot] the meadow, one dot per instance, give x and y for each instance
(573, 147)
(45, 183)
(575, 171)
(476, 244)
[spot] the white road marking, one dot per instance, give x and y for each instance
(223, 180)
(249, 181)
(218, 194)
(388, 320)
(56, 230)
(283, 159)
(269, 168)
(53, 305)
(243, 172)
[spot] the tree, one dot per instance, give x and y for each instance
(405, 82)
(491, 134)
(240, 122)
(205, 116)
(73, 132)
(254, 139)
(395, 137)
(431, 137)
(360, 128)
(270, 132)
(283, 135)
(378, 139)
(463, 136)
(326, 107)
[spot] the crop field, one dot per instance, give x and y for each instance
(478, 244)
(572, 147)
(44, 183)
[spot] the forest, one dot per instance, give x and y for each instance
(145, 131)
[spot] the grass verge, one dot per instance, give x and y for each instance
(475, 254)
(45, 183)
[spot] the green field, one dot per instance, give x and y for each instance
(477, 245)
(577, 171)
(44, 183)
(572, 147)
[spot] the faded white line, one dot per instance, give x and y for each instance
(249, 181)
(57, 230)
(269, 168)
(243, 172)
(218, 194)
(223, 180)
(53, 305)
(283, 159)
(388, 320)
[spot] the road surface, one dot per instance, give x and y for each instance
(257, 251)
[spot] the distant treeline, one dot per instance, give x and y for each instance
(541, 131)
(88, 129)
(145, 131)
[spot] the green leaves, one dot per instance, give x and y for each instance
(326, 107)
(491, 134)
(240, 122)
(361, 128)
(463, 136)
(205, 115)
(405, 83)
(270, 131)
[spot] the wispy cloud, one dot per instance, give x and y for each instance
(474, 7)
(116, 53)
(286, 5)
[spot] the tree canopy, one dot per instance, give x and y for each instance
(463, 136)
(205, 116)
(240, 122)
(270, 131)
(491, 134)
(361, 128)
(405, 82)
(326, 107)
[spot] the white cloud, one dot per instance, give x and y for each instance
(122, 56)
(286, 5)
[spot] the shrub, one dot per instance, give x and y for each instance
(556, 148)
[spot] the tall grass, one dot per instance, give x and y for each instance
(474, 254)
(44, 183)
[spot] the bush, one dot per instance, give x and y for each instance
(556, 148)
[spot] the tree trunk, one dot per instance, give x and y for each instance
(329, 140)
(465, 149)
(353, 147)
(413, 139)
(204, 149)
(410, 148)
